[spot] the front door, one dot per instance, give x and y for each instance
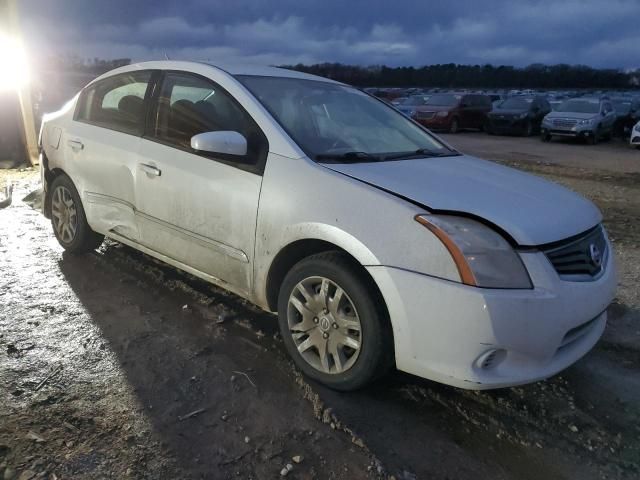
(200, 208)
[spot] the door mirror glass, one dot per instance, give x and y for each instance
(226, 142)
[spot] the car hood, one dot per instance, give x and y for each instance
(531, 210)
(577, 115)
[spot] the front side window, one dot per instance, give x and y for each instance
(329, 120)
(116, 102)
(189, 105)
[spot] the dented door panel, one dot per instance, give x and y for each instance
(106, 163)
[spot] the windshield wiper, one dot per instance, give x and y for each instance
(348, 157)
(421, 152)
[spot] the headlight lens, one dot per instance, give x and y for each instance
(443, 113)
(483, 257)
(588, 121)
(637, 127)
(523, 115)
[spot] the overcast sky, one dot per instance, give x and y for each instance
(600, 33)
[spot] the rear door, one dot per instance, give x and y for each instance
(200, 208)
(101, 145)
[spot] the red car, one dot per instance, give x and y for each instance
(454, 111)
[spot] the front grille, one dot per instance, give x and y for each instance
(564, 122)
(584, 257)
(501, 122)
(426, 115)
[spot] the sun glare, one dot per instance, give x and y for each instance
(14, 69)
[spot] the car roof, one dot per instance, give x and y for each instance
(233, 69)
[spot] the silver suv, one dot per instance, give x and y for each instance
(588, 118)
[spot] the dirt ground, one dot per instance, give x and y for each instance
(113, 365)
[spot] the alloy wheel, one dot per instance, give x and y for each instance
(324, 325)
(64, 214)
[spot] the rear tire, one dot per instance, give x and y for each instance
(343, 340)
(68, 219)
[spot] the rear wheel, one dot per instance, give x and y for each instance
(68, 218)
(333, 322)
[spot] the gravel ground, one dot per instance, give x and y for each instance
(113, 365)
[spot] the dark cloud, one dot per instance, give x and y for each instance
(602, 33)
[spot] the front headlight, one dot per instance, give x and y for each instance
(523, 116)
(483, 257)
(546, 121)
(587, 121)
(443, 113)
(637, 127)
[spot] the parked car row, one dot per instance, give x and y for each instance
(591, 118)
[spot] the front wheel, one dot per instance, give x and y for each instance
(333, 322)
(455, 126)
(68, 218)
(545, 137)
(528, 129)
(595, 138)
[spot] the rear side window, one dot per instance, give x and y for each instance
(116, 103)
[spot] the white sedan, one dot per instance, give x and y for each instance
(378, 244)
(635, 135)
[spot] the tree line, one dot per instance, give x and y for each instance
(448, 75)
(451, 75)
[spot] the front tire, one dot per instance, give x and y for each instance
(334, 323)
(454, 127)
(68, 219)
(528, 129)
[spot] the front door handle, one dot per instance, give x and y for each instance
(75, 144)
(151, 169)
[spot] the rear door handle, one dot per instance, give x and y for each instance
(151, 169)
(75, 144)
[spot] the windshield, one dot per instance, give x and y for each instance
(328, 119)
(516, 103)
(579, 106)
(444, 100)
(414, 100)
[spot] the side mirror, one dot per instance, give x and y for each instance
(226, 142)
